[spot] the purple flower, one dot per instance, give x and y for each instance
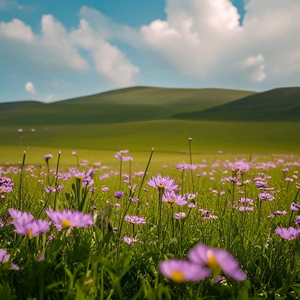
(120, 155)
(118, 195)
(135, 220)
(266, 197)
(19, 215)
(50, 189)
(182, 270)
(129, 240)
(180, 215)
(4, 256)
(295, 206)
(31, 228)
(74, 153)
(163, 183)
(216, 260)
(246, 200)
(47, 157)
(172, 198)
(288, 233)
(15, 267)
(105, 188)
(6, 186)
(68, 218)
(279, 212)
(297, 221)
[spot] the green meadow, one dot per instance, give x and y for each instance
(220, 220)
(140, 118)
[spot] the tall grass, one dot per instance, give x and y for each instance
(96, 263)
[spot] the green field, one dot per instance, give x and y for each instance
(141, 118)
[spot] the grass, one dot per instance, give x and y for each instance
(95, 263)
(164, 136)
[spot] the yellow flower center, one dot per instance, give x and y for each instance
(79, 176)
(171, 200)
(213, 264)
(177, 276)
(66, 223)
(29, 232)
(160, 186)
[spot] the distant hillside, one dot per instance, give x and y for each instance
(276, 105)
(18, 104)
(124, 105)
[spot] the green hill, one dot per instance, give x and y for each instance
(278, 105)
(124, 105)
(8, 106)
(139, 118)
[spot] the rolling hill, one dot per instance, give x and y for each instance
(140, 118)
(124, 105)
(276, 105)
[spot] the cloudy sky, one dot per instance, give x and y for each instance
(53, 49)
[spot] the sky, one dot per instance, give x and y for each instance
(52, 50)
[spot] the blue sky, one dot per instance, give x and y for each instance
(53, 50)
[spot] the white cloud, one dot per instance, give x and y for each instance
(29, 87)
(109, 61)
(57, 48)
(202, 39)
(16, 30)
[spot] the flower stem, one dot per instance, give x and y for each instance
(21, 180)
(191, 163)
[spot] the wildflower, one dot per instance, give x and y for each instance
(246, 200)
(135, 220)
(119, 155)
(297, 221)
(266, 197)
(31, 228)
(42, 257)
(216, 260)
(295, 206)
(6, 186)
(60, 187)
(50, 189)
(182, 270)
(19, 215)
(118, 195)
(180, 215)
(163, 183)
(20, 130)
(279, 212)
(190, 196)
(288, 233)
(15, 267)
(4, 256)
(68, 218)
(47, 157)
(172, 198)
(74, 153)
(134, 200)
(105, 188)
(129, 240)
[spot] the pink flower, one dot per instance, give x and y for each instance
(68, 218)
